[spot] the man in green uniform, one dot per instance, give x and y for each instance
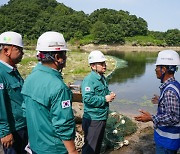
(96, 98)
(13, 132)
(48, 101)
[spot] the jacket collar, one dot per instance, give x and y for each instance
(171, 79)
(8, 68)
(96, 75)
(47, 69)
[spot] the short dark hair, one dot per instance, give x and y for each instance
(171, 68)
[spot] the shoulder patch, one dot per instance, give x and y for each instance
(1, 86)
(87, 88)
(66, 104)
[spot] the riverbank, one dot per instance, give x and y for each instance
(141, 142)
(123, 48)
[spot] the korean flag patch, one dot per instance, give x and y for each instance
(87, 88)
(1, 86)
(66, 104)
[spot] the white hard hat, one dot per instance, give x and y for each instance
(168, 57)
(51, 41)
(11, 38)
(96, 56)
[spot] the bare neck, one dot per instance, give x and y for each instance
(167, 76)
(51, 65)
(5, 59)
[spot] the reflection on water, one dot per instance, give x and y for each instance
(136, 83)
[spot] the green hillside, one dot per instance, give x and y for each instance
(31, 18)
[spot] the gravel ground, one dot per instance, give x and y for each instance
(1, 149)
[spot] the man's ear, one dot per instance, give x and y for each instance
(93, 66)
(56, 57)
(164, 69)
(6, 51)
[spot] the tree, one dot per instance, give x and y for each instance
(172, 37)
(33, 17)
(107, 33)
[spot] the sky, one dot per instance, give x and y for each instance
(160, 15)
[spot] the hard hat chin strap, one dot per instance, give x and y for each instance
(162, 75)
(170, 69)
(48, 57)
(59, 65)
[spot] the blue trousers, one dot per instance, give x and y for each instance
(162, 150)
(20, 142)
(93, 135)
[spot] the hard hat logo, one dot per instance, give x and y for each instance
(166, 58)
(55, 44)
(7, 39)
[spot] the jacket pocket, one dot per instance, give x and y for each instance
(101, 91)
(14, 92)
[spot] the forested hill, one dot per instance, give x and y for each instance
(33, 17)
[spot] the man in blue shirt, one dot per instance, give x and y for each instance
(167, 120)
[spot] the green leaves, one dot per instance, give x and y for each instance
(172, 37)
(31, 18)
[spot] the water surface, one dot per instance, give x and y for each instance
(136, 83)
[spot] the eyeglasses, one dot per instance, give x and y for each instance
(101, 63)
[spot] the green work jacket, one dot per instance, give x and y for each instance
(94, 89)
(11, 113)
(48, 110)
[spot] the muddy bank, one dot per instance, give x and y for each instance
(123, 48)
(141, 142)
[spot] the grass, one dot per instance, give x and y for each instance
(28, 62)
(77, 66)
(134, 41)
(144, 41)
(83, 41)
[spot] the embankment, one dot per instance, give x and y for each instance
(123, 48)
